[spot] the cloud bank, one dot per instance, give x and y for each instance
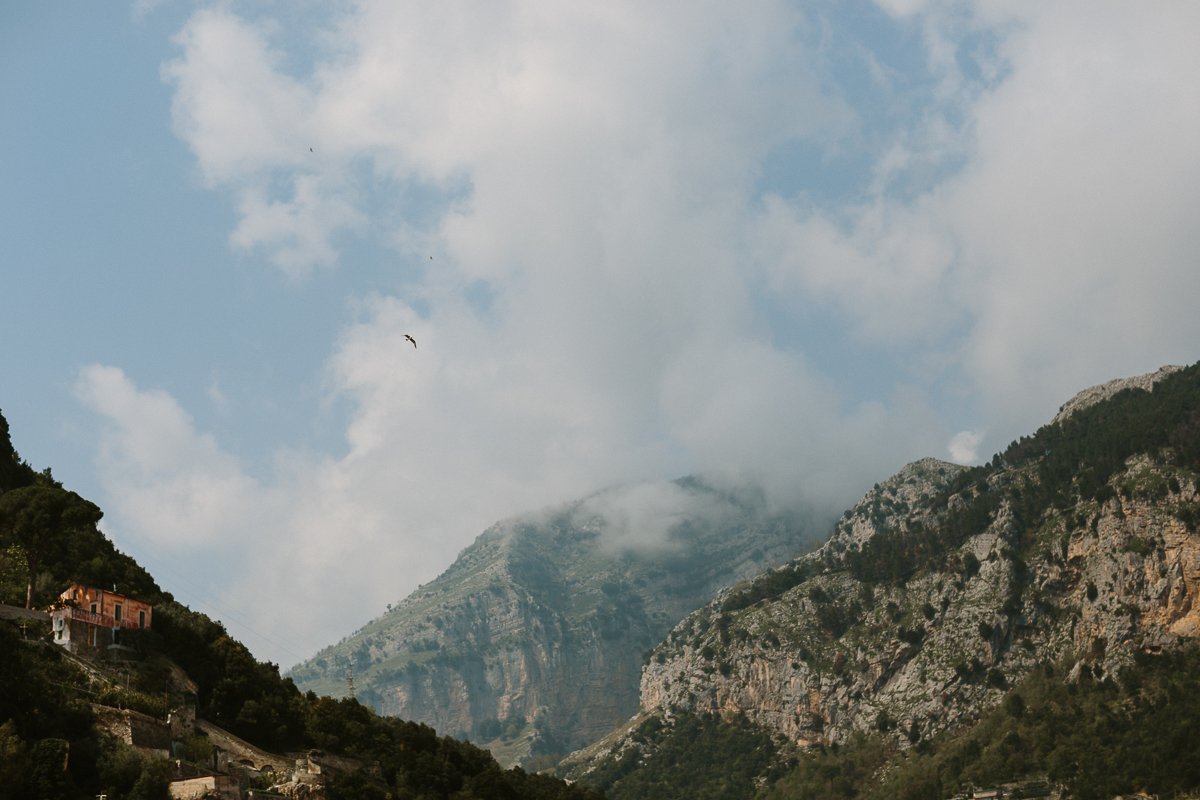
(621, 288)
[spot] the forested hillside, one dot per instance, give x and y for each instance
(46, 715)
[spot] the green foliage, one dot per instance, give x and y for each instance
(700, 757)
(46, 716)
(1137, 545)
(833, 773)
(1189, 515)
(49, 534)
(835, 619)
(14, 575)
(768, 587)
(47, 776)
(151, 705)
(353, 786)
(14, 473)
(196, 748)
(38, 518)
(13, 761)
(1096, 739)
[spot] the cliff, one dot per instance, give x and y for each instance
(944, 586)
(532, 641)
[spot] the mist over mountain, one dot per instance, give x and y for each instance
(532, 640)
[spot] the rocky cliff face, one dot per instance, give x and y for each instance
(532, 641)
(945, 586)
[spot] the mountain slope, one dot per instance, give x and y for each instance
(945, 586)
(54, 708)
(533, 638)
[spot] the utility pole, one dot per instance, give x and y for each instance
(350, 682)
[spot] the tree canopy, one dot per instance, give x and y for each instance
(37, 517)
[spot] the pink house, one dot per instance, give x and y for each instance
(89, 620)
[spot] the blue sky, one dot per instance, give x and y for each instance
(798, 244)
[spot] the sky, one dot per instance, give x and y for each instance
(795, 245)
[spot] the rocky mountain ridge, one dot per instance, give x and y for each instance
(945, 586)
(1095, 394)
(531, 641)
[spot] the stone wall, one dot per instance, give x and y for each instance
(149, 735)
(244, 752)
(221, 786)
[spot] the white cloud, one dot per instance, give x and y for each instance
(177, 486)
(643, 515)
(964, 447)
(1026, 232)
(1059, 255)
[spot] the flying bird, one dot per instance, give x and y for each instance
(411, 339)
(310, 149)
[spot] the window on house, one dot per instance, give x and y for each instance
(117, 612)
(93, 608)
(141, 619)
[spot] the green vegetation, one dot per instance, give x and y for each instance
(769, 586)
(1098, 737)
(833, 773)
(44, 716)
(35, 517)
(49, 539)
(694, 758)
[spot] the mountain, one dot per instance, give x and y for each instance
(1072, 558)
(532, 640)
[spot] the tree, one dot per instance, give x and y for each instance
(37, 517)
(13, 471)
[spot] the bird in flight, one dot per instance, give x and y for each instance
(310, 149)
(411, 339)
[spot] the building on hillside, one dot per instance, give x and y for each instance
(89, 621)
